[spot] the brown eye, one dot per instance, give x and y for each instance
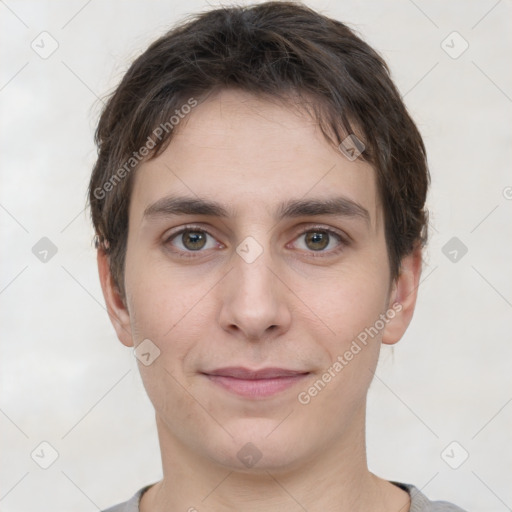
(189, 240)
(193, 240)
(317, 240)
(320, 241)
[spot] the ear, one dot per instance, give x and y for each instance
(403, 297)
(117, 311)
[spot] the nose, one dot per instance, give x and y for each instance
(254, 300)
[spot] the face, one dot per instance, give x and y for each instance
(254, 244)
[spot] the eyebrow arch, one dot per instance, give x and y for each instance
(339, 206)
(183, 205)
(178, 205)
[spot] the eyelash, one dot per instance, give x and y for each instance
(343, 240)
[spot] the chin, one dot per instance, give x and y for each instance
(258, 446)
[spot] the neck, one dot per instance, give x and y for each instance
(336, 480)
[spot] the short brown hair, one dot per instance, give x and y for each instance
(275, 50)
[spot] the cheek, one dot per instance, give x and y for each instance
(156, 299)
(168, 312)
(350, 304)
(168, 308)
(352, 310)
(347, 301)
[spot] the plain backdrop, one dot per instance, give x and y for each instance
(443, 394)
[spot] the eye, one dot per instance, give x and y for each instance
(320, 240)
(191, 239)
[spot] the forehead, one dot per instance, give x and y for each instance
(252, 153)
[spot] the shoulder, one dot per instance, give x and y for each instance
(420, 503)
(132, 505)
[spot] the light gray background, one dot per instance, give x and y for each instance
(66, 380)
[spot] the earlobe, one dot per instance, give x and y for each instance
(403, 297)
(117, 310)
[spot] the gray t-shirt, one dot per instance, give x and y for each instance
(419, 502)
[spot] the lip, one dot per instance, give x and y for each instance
(255, 383)
(239, 372)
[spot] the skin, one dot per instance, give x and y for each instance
(295, 306)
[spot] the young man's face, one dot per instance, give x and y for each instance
(281, 280)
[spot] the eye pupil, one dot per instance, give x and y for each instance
(317, 240)
(193, 240)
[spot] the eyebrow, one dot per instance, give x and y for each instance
(183, 205)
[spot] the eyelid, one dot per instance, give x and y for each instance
(186, 227)
(328, 229)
